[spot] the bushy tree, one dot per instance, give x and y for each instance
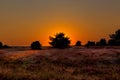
(78, 43)
(36, 45)
(115, 38)
(103, 42)
(59, 41)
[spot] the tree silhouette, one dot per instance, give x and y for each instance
(78, 43)
(103, 42)
(115, 38)
(1, 45)
(59, 41)
(36, 45)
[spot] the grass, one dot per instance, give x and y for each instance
(68, 64)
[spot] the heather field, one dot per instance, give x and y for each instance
(75, 63)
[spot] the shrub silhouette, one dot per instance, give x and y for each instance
(1, 45)
(36, 45)
(59, 41)
(115, 38)
(78, 43)
(90, 43)
(102, 42)
(6, 46)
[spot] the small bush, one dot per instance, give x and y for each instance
(36, 45)
(6, 46)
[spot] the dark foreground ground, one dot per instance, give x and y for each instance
(77, 63)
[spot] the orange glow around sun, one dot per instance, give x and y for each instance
(51, 29)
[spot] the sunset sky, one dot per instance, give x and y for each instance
(25, 21)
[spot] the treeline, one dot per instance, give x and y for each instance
(102, 42)
(61, 41)
(113, 41)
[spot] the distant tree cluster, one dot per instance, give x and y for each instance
(61, 41)
(113, 41)
(102, 42)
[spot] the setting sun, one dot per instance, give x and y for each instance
(53, 28)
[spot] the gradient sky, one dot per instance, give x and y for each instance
(25, 21)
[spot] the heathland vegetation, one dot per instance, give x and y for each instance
(74, 63)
